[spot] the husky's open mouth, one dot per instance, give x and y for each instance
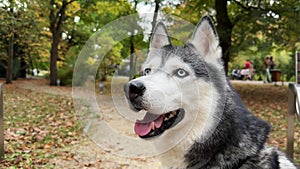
(154, 125)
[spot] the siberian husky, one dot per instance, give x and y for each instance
(185, 93)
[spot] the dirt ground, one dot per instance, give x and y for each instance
(88, 154)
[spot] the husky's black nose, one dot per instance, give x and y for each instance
(136, 89)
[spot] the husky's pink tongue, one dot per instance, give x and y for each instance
(144, 127)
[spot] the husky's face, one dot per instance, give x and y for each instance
(176, 88)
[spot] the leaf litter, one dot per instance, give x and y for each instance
(42, 131)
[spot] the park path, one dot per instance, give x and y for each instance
(86, 154)
(253, 82)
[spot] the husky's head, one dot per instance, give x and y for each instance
(177, 86)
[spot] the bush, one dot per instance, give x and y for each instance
(292, 79)
(65, 75)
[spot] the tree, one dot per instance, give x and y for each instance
(90, 18)
(224, 28)
(129, 45)
(10, 14)
(19, 21)
(157, 6)
(57, 17)
(239, 22)
(10, 52)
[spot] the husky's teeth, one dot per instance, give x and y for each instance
(166, 118)
(153, 126)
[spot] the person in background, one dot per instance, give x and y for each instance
(251, 71)
(267, 77)
(247, 64)
(245, 72)
(272, 64)
(236, 74)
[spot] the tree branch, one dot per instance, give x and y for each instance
(51, 16)
(248, 8)
(62, 13)
(24, 67)
(71, 1)
(259, 3)
(241, 5)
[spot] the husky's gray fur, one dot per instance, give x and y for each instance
(238, 138)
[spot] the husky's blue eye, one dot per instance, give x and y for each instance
(181, 73)
(147, 71)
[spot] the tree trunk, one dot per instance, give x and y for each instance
(10, 62)
(10, 51)
(56, 22)
(131, 65)
(53, 58)
(224, 28)
(155, 15)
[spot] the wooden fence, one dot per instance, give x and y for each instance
(293, 109)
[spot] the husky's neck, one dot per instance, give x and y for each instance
(232, 141)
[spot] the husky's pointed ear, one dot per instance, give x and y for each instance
(206, 40)
(160, 36)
